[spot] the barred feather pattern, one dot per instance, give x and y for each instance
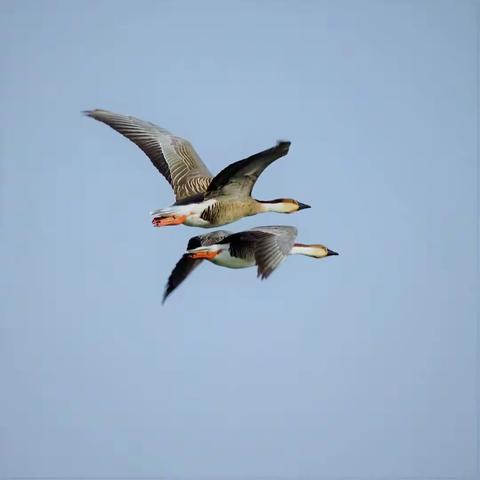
(192, 187)
(210, 214)
(174, 157)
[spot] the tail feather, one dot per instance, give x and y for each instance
(168, 211)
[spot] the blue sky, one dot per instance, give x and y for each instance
(361, 365)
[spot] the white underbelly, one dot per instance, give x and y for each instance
(224, 259)
(192, 211)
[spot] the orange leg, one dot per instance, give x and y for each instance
(203, 255)
(164, 221)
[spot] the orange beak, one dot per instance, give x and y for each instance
(203, 255)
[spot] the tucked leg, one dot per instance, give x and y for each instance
(165, 221)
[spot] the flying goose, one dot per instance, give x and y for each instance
(201, 199)
(265, 247)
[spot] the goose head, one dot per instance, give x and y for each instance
(315, 251)
(283, 205)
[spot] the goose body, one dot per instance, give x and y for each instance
(226, 259)
(264, 247)
(202, 200)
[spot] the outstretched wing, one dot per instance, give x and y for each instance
(239, 178)
(242, 244)
(186, 265)
(272, 249)
(174, 157)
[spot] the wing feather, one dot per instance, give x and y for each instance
(269, 245)
(272, 249)
(186, 265)
(174, 157)
(239, 178)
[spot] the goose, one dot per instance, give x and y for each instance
(202, 200)
(266, 247)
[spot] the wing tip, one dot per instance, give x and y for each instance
(89, 113)
(94, 113)
(282, 147)
(263, 274)
(166, 294)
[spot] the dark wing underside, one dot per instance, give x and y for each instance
(269, 245)
(186, 265)
(242, 244)
(239, 178)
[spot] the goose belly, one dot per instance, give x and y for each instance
(192, 211)
(224, 211)
(196, 220)
(199, 217)
(224, 259)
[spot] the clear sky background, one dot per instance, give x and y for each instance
(361, 365)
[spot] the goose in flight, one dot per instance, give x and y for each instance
(202, 200)
(265, 247)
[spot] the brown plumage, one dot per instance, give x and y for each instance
(202, 200)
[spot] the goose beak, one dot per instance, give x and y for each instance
(331, 252)
(302, 206)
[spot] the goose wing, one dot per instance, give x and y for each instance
(272, 250)
(186, 265)
(269, 246)
(239, 178)
(174, 157)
